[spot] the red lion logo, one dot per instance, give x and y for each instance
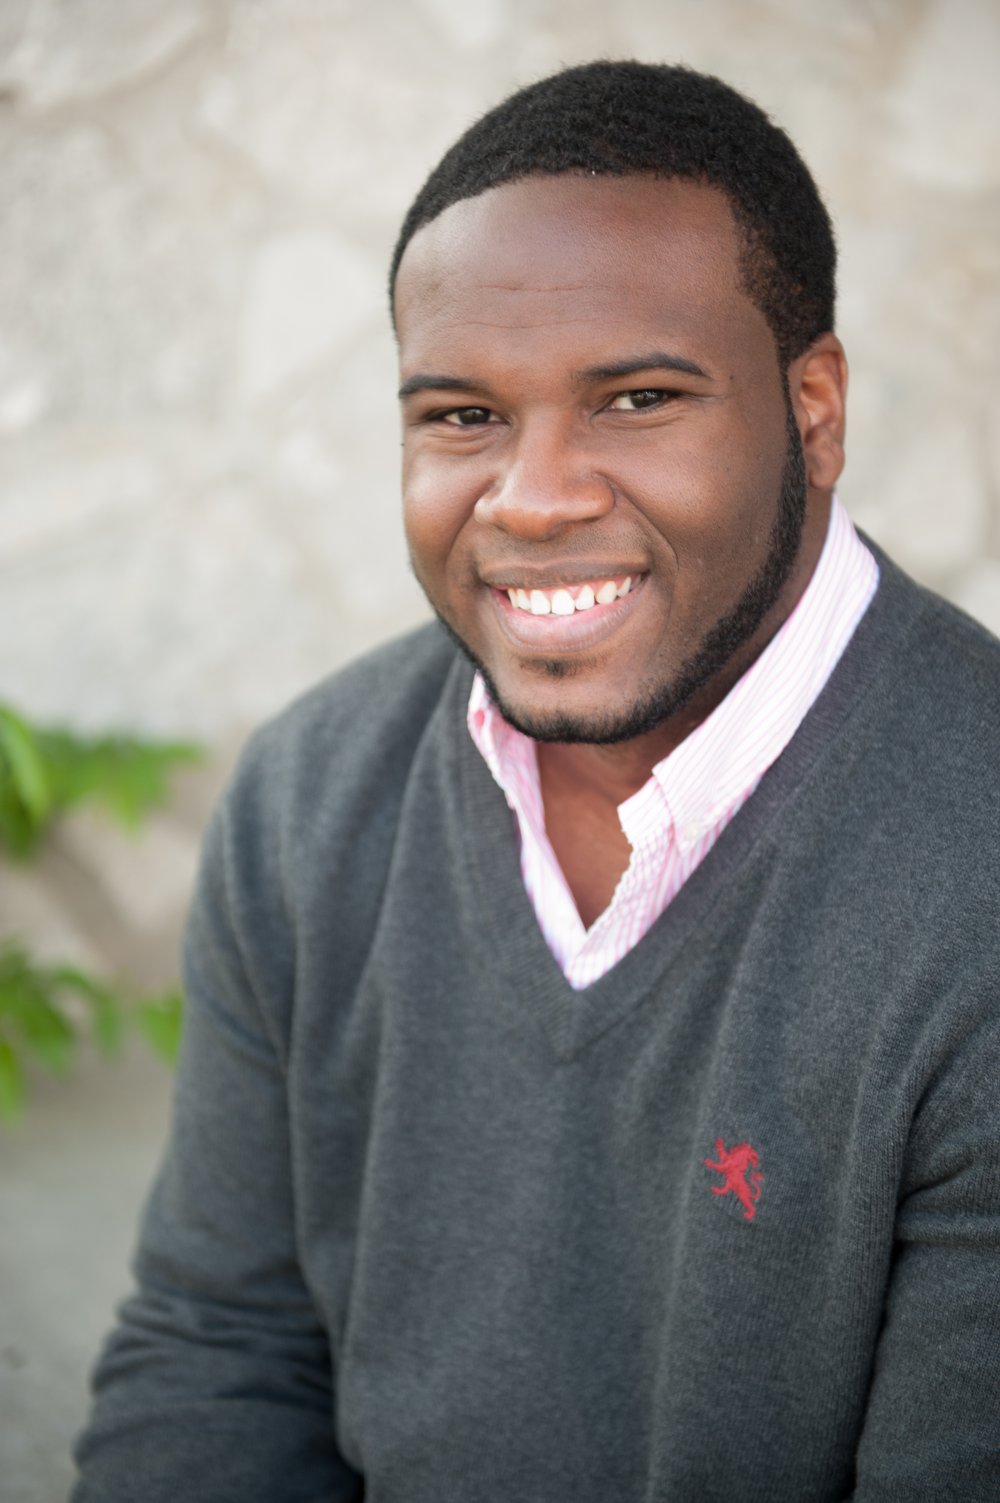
(740, 1171)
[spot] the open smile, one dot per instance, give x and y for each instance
(566, 617)
(566, 600)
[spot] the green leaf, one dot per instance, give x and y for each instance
(71, 978)
(13, 962)
(46, 771)
(18, 831)
(25, 791)
(44, 1029)
(34, 1020)
(19, 746)
(11, 1084)
(107, 1015)
(159, 1019)
(129, 777)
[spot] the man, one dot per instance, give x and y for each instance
(589, 1087)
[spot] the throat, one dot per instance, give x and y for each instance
(585, 834)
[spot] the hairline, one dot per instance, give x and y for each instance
(746, 231)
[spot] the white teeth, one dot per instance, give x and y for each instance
(560, 602)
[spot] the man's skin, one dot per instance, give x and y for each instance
(528, 463)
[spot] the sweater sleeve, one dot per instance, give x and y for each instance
(932, 1428)
(217, 1384)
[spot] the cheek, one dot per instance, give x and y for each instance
(695, 488)
(711, 492)
(438, 500)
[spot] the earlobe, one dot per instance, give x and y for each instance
(817, 384)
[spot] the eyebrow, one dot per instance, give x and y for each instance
(655, 360)
(427, 381)
(652, 361)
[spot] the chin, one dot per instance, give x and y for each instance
(566, 724)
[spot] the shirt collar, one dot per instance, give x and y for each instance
(734, 746)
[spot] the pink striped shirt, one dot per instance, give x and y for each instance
(679, 813)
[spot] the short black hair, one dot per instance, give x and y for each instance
(617, 118)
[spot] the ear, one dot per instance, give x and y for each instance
(817, 385)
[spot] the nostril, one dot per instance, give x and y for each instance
(540, 509)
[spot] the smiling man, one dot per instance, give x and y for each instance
(589, 1089)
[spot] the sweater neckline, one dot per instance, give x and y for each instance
(516, 951)
(696, 788)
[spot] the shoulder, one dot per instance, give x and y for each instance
(947, 640)
(390, 688)
(298, 847)
(905, 735)
(939, 677)
(913, 753)
(327, 773)
(365, 714)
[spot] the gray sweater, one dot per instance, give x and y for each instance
(434, 1228)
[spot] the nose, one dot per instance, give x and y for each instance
(547, 482)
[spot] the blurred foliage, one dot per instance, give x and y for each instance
(45, 772)
(47, 1011)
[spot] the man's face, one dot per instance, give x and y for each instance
(603, 485)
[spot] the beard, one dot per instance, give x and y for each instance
(718, 647)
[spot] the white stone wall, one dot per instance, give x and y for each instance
(198, 461)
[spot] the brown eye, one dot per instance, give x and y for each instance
(640, 399)
(466, 417)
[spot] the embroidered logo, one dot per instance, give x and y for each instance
(740, 1169)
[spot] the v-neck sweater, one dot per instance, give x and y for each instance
(724, 1225)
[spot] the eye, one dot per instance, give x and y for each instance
(465, 417)
(640, 400)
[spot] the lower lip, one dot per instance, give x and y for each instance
(576, 633)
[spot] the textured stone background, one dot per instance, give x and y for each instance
(198, 487)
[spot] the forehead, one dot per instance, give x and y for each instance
(550, 259)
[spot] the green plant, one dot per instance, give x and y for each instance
(47, 1010)
(44, 772)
